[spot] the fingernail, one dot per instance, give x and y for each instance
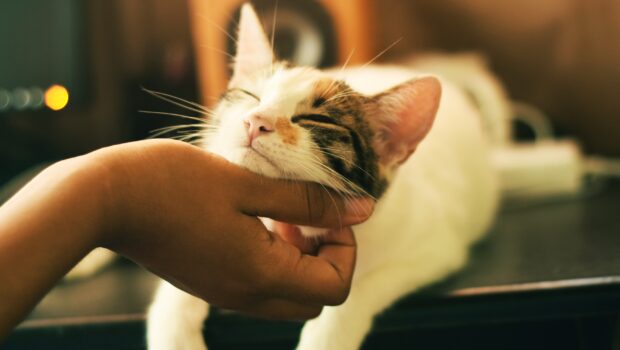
(359, 208)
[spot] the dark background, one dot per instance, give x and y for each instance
(560, 55)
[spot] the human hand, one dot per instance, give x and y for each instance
(191, 217)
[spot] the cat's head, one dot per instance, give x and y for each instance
(301, 123)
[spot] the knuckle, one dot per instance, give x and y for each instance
(339, 297)
(312, 312)
(306, 312)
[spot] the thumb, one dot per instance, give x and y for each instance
(304, 203)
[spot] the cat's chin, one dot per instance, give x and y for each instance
(258, 163)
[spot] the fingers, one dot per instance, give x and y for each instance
(292, 234)
(302, 203)
(324, 279)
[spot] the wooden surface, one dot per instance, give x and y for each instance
(549, 261)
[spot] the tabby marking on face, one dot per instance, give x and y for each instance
(286, 131)
(339, 128)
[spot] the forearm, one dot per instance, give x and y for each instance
(45, 229)
(165, 204)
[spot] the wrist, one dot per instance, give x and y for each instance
(99, 187)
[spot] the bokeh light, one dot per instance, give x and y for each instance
(56, 97)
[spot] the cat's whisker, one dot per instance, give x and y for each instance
(382, 52)
(215, 49)
(273, 31)
(346, 62)
(349, 186)
(344, 66)
(313, 166)
(307, 169)
(224, 31)
(340, 95)
(177, 115)
(175, 127)
(187, 138)
(351, 162)
(184, 135)
(327, 152)
(162, 131)
(206, 134)
(177, 101)
(315, 161)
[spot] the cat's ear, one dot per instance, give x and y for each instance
(254, 52)
(402, 116)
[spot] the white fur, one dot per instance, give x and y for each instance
(175, 320)
(280, 95)
(441, 200)
(470, 72)
(91, 264)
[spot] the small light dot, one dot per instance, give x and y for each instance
(56, 97)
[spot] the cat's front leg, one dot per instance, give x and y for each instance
(175, 320)
(94, 262)
(341, 327)
(345, 327)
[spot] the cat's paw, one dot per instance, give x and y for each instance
(177, 341)
(175, 320)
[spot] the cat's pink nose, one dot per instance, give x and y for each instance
(257, 125)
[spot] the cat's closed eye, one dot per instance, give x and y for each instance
(345, 139)
(243, 92)
(320, 118)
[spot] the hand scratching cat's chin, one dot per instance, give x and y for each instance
(258, 163)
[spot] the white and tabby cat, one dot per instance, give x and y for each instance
(353, 130)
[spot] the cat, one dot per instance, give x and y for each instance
(354, 130)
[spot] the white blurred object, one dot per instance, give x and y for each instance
(602, 167)
(539, 170)
(534, 118)
(547, 168)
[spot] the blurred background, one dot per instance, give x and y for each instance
(561, 56)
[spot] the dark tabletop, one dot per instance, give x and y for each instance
(540, 260)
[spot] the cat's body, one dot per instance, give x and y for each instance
(434, 207)
(442, 199)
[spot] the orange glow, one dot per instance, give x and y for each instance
(56, 97)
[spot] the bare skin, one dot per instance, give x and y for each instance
(186, 215)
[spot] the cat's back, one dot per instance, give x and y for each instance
(455, 109)
(456, 145)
